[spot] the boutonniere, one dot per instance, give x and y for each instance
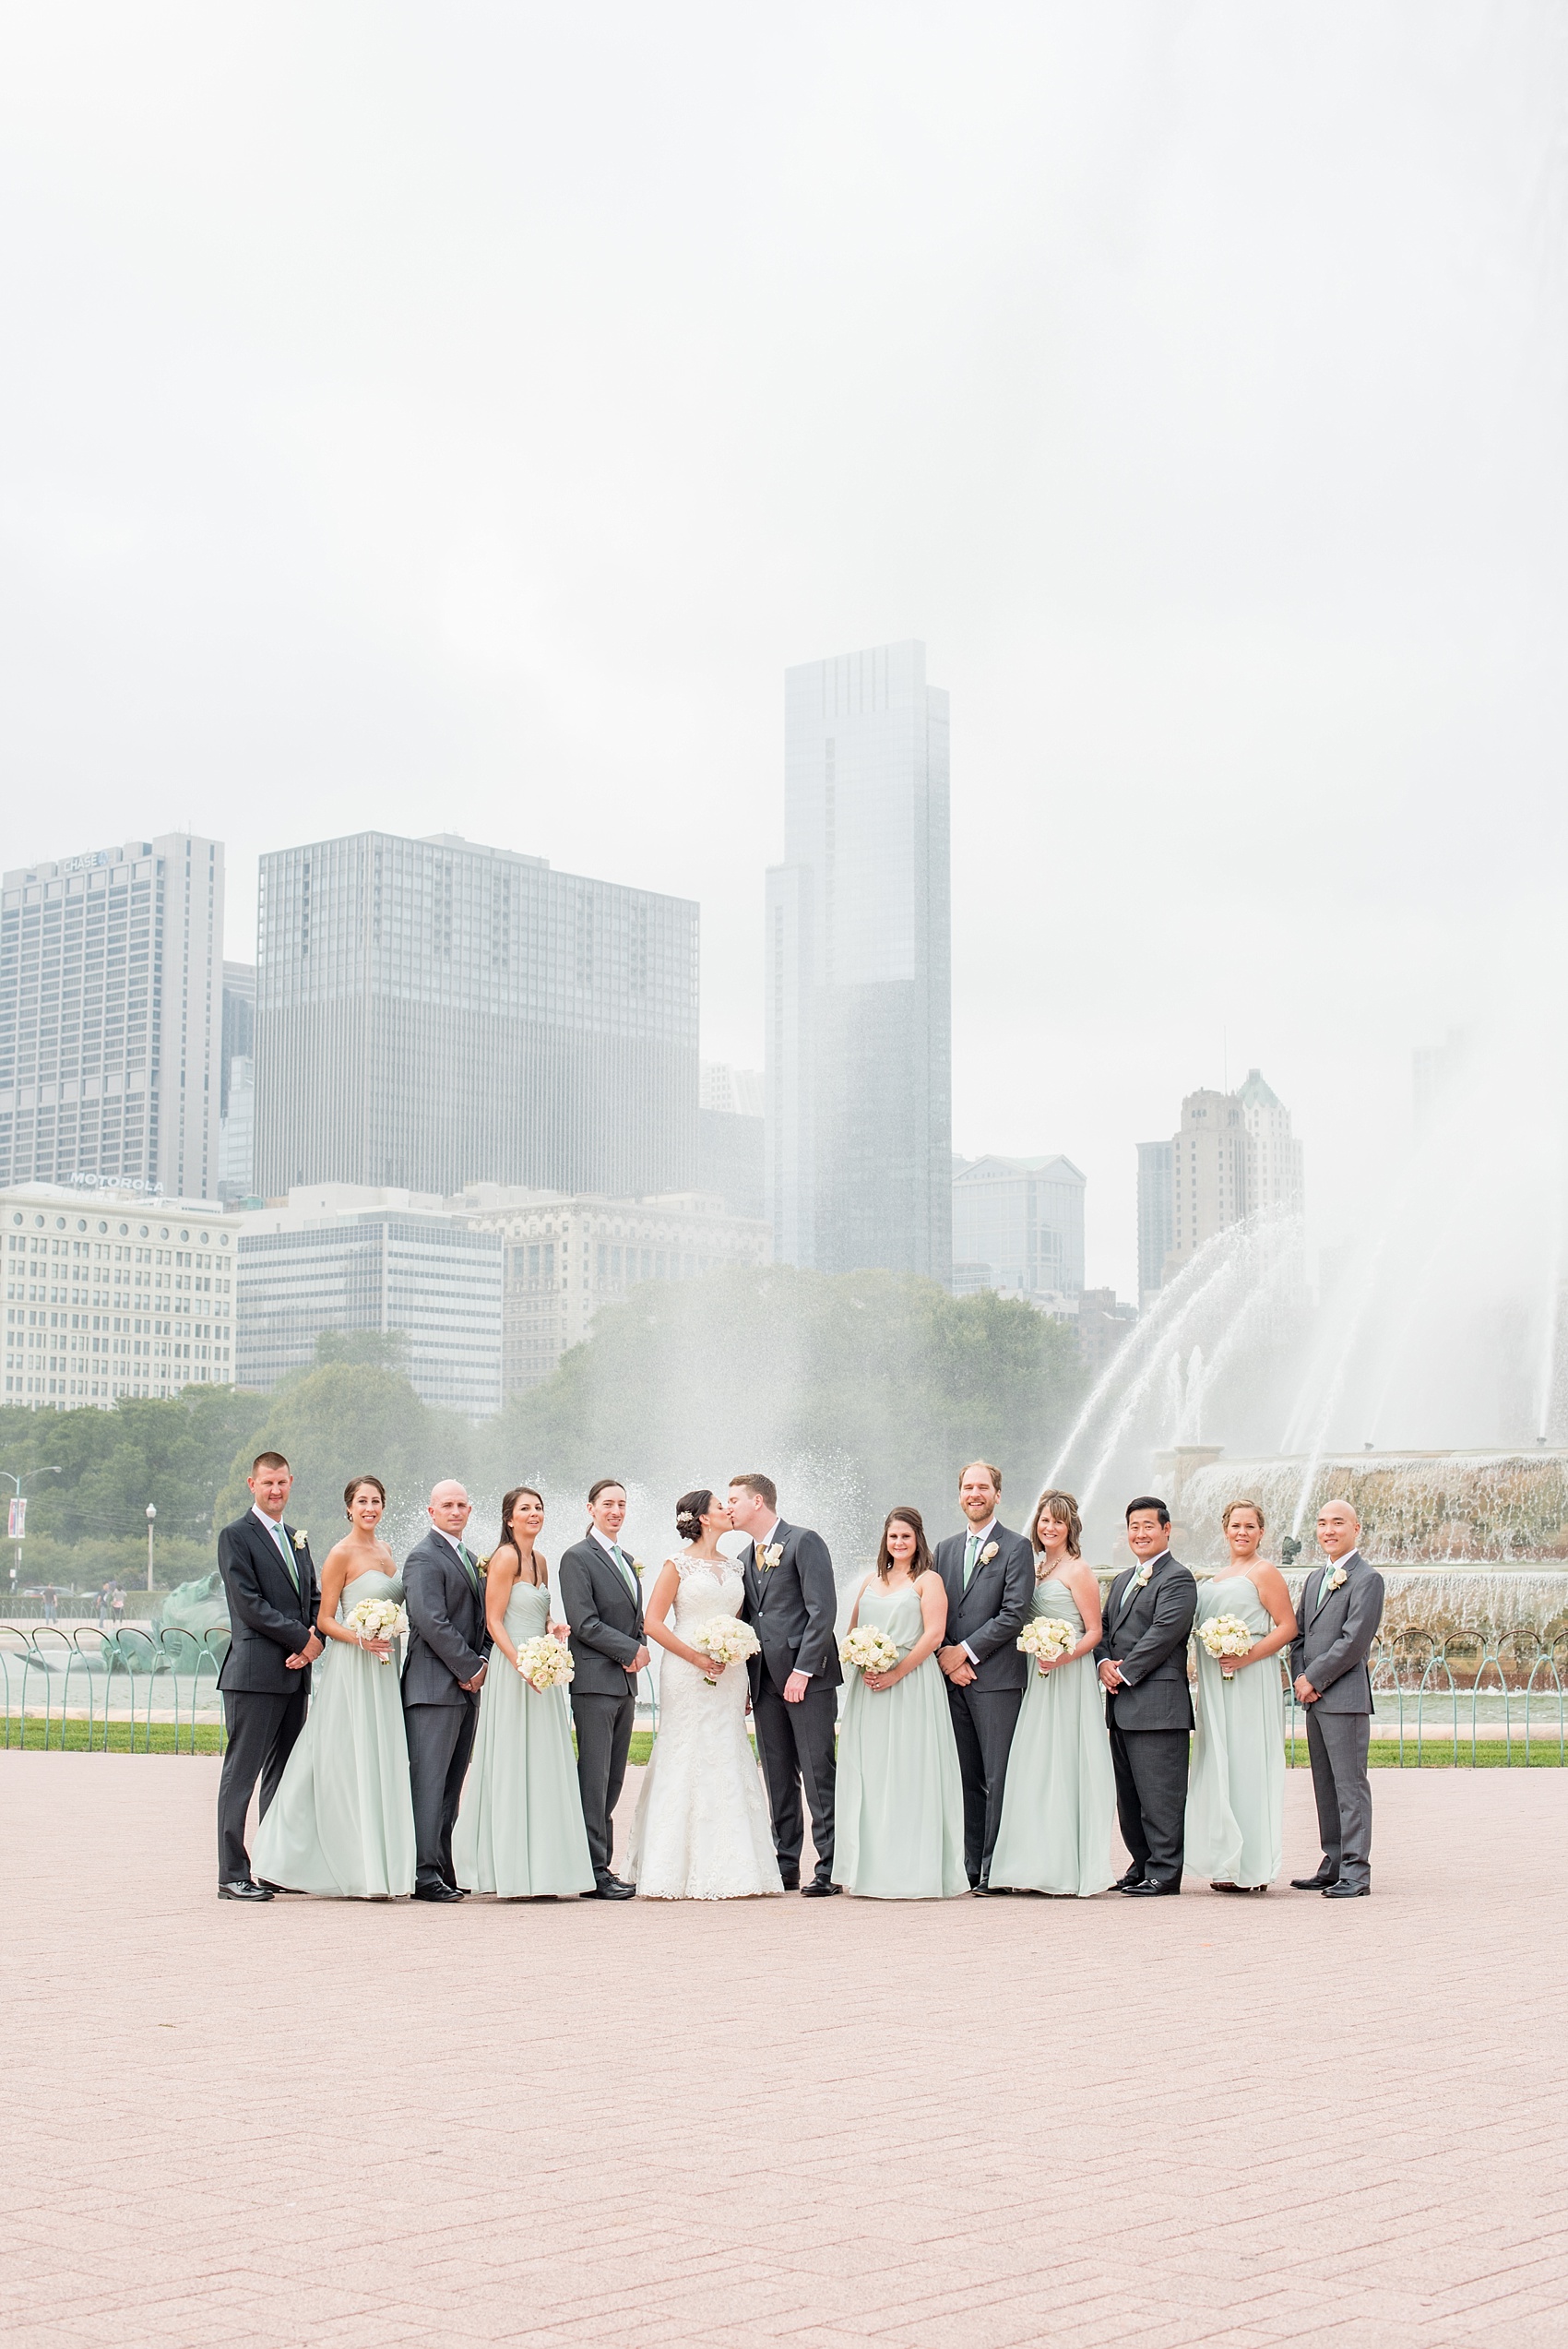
(638, 1568)
(1140, 1579)
(768, 1559)
(989, 1553)
(1333, 1582)
(300, 1538)
(482, 1566)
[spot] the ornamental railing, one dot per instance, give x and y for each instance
(1456, 1695)
(127, 1690)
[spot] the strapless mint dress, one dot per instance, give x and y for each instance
(342, 1820)
(1236, 1795)
(898, 1832)
(519, 1830)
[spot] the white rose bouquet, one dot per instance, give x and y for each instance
(545, 1663)
(1046, 1638)
(727, 1640)
(1225, 1635)
(868, 1650)
(379, 1619)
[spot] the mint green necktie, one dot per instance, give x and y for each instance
(629, 1578)
(469, 1567)
(969, 1548)
(288, 1560)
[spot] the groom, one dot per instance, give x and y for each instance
(1341, 1609)
(793, 1604)
(448, 1648)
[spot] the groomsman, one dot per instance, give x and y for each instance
(448, 1648)
(989, 1574)
(603, 1603)
(269, 1581)
(1340, 1611)
(1143, 1669)
(791, 1603)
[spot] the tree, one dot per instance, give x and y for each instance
(343, 1419)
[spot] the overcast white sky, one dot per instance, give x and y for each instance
(458, 416)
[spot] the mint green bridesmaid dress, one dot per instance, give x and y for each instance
(519, 1830)
(1060, 1795)
(342, 1821)
(1236, 1793)
(899, 1804)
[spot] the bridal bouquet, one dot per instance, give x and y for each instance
(379, 1619)
(545, 1663)
(1224, 1636)
(1046, 1636)
(727, 1640)
(868, 1650)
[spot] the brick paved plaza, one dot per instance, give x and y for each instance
(825, 2124)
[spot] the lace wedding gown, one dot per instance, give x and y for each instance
(701, 1831)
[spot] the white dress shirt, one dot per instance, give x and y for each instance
(980, 1540)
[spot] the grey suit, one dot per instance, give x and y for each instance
(448, 1641)
(1332, 1640)
(987, 1619)
(264, 1702)
(794, 1608)
(605, 1616)
(1150, 1718)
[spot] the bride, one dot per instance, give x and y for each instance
(701, 1831)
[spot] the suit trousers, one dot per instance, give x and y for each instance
(796, 1746)
(1151, 1798)
(604, 1737)
(1336, 1743)
(262, 1730)
(441, 1738)
(983, 1723)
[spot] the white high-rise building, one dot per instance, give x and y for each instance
(110, 1011)
(1018, 1227)
(856, 945)
(1234, 1155)
(111, 1293)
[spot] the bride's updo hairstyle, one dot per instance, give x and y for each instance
(690, 1510)
(1064, 1509)
(920, 1562)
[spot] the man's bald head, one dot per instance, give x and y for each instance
(449, 1508)
(1338, 1529)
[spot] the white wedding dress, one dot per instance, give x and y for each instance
(701, 1831)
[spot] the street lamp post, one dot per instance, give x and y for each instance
(20, 1516)
(151, 1518)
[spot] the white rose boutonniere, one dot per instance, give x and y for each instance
(989, 1553)
(300, 1538)
(1333, 1581)
(482, 1566)
(768, 1559)
(1140, 1579)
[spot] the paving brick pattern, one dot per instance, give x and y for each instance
(826, 2124)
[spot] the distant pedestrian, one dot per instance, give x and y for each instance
(51, 1603)
(102, 1605)
(119, 1606)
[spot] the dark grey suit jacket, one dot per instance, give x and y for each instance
(794, 1608)
(1335, 1634)
(605, 1620)
(1147, 1633)
(988, 1616)
(448, 1639)
(268, 1619)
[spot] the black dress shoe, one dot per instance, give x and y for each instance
(1125, 1883)
(791, 1883)
(245, 1891)
(437, 1891)
(1154, 1891)
(997, 1890)
(267, 1886)
(819, 1888)
(1343, 1891)
(1312, 1883)
(613, 1890)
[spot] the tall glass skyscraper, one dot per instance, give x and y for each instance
(431, 1013)
(859, 1023)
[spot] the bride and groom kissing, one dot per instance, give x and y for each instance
(701, 1830)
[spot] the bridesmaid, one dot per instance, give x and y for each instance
(520, 1830)
(1236, 1796)
(1060, 1796)
(342, 1820)
(900, 1800)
